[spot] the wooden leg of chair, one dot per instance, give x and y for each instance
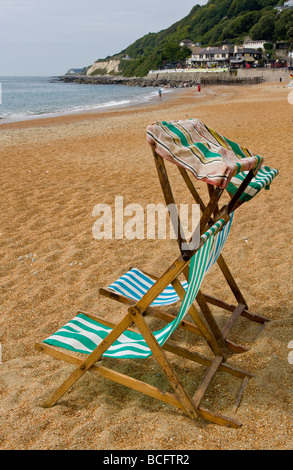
(161, 358)
(218, 419)
(199, 394)
(240, 394)
(230, 280)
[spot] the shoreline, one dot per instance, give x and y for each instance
(54, 171)
(178, 96)
(95, 110)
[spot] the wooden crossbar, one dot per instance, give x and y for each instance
(233, 318)
(168, 318)
(199, 394)
(180, 399)
(230, 308)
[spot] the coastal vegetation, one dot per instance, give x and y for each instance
(213, 24)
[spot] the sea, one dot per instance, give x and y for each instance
(23, 98)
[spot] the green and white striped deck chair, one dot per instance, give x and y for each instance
(223, 165)
(135, 283)
(83, 335)
(226, 167)
(97, 338)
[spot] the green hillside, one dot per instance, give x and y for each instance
(212, 24)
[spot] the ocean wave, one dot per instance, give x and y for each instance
(34, 97)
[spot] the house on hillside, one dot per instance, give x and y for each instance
(208, 56)
(186, 43)
(225, 56)
(282, 49)
(244, 56)
(288, 4)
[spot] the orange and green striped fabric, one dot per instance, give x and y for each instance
(208, 155)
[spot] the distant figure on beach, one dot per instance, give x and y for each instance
(198, 88)
(160, 93)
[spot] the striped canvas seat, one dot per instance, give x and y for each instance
(263, 179)
(134, 284)
(208, 155)
(83, 334)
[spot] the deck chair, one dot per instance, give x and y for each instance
(98, 338)
(203, 153)
(193, 146)
(131, 287)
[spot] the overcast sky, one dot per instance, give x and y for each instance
(48, 37)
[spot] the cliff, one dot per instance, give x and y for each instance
(104, 67)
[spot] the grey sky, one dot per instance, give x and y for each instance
(47, 37)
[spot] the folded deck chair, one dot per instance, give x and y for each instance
(208, 155)
(199, 151)
(99, 339)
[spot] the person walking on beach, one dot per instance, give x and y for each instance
(160, 93)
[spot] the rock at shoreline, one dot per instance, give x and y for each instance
(119, 80)
(156, 82)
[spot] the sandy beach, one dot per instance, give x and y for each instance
(53, 173)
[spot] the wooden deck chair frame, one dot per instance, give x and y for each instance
(135, 316)
(203, 320)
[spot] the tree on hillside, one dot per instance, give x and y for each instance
(284, 26)
(238, 7)
(264, 28)
(241, 25)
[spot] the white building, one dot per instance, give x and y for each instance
(209, 55)
(288, 4)
(255, 44)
